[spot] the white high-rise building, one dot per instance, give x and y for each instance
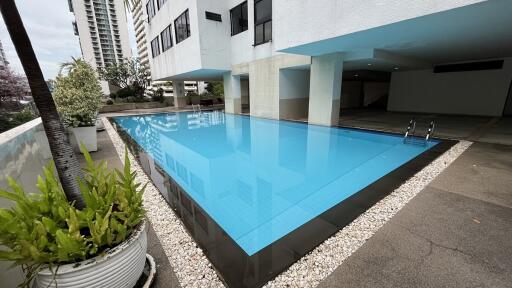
(140, 32)
(306, 60)
(139, 18)
(103, 31)
(3, 59)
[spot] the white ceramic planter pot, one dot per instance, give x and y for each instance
(86, 135)
(121, 267)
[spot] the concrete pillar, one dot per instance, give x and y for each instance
(232, 93)
(178, 90)
(325, 89)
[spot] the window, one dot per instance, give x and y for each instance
(239, 19)
(262, 21)
(166, 37)
(213, 16)
(155, 47)
(160, 3)
(150, 9)
(182, 27)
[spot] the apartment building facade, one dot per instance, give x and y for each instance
(3, 58)
(102, 28)
(139, 18)
(300, 59)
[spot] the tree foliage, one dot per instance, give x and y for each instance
(13, 87)
(127, 73)
(78, 94)
(215, 88)
(45, 229)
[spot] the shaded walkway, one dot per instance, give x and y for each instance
(473, 128)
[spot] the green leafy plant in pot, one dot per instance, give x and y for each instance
(101, 245)
(77, 95)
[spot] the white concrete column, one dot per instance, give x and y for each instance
(178, 90)
(325, 89)
(232, 93)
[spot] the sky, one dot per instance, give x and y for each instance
(48, 24)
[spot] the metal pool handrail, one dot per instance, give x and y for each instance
(411, 129)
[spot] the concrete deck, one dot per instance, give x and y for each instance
(165, 276)
(473, 128)
(455, 233)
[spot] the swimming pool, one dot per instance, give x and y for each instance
(262, 180)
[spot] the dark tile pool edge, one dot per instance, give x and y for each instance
(240, 270)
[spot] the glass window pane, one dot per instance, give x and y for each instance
(239, 19)
(243, 7)
(258, 34)
(268, 31)
(263, 10)
(182, 27)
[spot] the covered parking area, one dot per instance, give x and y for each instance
(455, 62)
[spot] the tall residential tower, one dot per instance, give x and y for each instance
(3, 59)
(102, 28)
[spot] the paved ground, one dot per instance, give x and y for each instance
(455, 233)
(165, 274)
(473, 128)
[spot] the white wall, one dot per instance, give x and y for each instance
(264, 82)
(301, 22)
(24, 151)
(214, 36)
(182, 57)
(468, 93)
(293, 93)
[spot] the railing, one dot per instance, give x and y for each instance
(430, 131)
(411, 130)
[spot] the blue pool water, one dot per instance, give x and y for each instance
(260, 179)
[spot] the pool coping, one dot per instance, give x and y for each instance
(329, 220)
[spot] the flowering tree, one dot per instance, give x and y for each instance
(12, 86)
(78, 94)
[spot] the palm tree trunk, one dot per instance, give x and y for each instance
(65, 159)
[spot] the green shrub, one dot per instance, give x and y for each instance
(78, 95)
(109, 102)
(44, 229)
(125, 92)
(9, 120)
(158, 95)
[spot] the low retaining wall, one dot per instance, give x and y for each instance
(131, 106)
(24, 150)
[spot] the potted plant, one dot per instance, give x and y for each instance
(101, 245)
(78, 99)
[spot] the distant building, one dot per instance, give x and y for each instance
(3, 59)
(140, 17)
(140, 32)
(103, 31)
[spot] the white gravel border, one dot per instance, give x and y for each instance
(193, 269)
